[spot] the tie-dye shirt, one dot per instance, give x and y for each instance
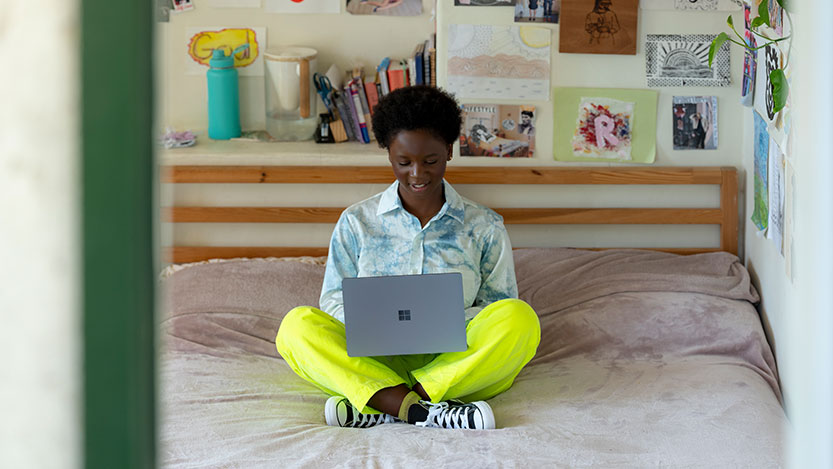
(379, 237)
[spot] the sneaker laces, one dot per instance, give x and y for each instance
(445, 416)
(361, 420)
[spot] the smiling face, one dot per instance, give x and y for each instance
(419, 159)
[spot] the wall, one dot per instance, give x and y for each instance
(184, 104)
(40, 313)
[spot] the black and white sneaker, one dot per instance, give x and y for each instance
(457, 414)
(340, 413)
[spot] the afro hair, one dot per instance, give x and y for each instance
(418, 107)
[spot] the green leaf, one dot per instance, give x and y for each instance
(718, 41)
(730, 21)
(763, 12)
(780, 89)
(756, 22)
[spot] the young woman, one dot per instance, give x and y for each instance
(418, 225)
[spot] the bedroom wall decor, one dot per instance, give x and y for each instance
(775, 202)
(599, 26)
(760, 213)
(683, 60)
(691, 5)
(302, 6)
(750, 60)
(384, 7)
(498, 130)
(203, 40)
(505, 62)
(695, 124)
(537, 11)
(604, 124)
(484, 3)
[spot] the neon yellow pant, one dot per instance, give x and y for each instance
(502, 338)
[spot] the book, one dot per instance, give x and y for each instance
(426, 63)
(405, 64)
(411, 64)
(396, 77)
(433, 57)
(419, 71)
(344, 114)
(382, 71)
(372, 95)
(355, 87)
(352, 105)
(357, 74)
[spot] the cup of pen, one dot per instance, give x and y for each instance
(290, 97)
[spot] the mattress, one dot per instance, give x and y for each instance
(646, 359)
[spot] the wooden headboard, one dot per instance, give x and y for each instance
(724, 177)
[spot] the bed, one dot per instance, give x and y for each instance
(647, 358)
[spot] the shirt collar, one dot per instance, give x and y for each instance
(453, 206)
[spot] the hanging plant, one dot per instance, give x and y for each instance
(777, 78)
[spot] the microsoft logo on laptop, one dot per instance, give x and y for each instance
(404, 314)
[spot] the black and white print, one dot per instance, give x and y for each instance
(484, 3)
(691, 5)
(683, 60)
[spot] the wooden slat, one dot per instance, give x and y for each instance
(511, 216)
(454, 174)
(729, 207)
(184, 254)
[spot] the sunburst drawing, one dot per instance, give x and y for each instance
(684, 59)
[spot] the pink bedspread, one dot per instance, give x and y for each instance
(646, 359)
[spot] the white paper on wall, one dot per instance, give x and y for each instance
(775, 230)
(302, 6)
(235, 3)
(697, 5)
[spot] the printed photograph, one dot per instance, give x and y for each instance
(385, 7)
(498, 130)
(484, 3)
(537, 11)
(695, 122)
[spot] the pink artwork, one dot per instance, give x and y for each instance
(603, 129)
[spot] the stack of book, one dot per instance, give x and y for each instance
(356, 101)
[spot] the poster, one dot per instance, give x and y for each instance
(505, 62)
(202, 41)
(683, 60)
(695, 122)
(498, 130)
(384, 7)
(769, 58)
(599, 26)
(604, 125)
(750, 60)
(537, 11)
(760, 210)
(775, 179)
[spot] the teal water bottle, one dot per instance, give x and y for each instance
(223, 96)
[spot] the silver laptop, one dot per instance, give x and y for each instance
(404, 314)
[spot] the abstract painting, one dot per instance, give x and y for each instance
(683, 60)
(498, 130)
(760, 211)
(599, 26)
(506, 62)
(604, 125)
(603, 129)
(537, 11)
(695, 122)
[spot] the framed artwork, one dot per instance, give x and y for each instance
(604, 124)
(599, 26)
(537, 11)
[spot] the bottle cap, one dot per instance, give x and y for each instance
(219, 59)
